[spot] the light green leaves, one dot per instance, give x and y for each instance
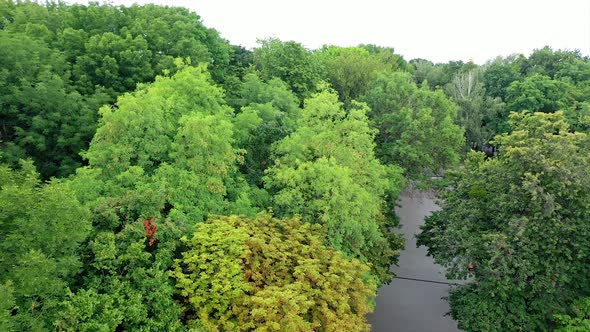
(326, 172)
(266, 274)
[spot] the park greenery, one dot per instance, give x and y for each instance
(154, 177)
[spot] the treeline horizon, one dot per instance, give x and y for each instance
(155, 177)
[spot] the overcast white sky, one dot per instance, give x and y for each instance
(437, 30)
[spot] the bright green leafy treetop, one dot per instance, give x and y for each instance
(579, 321)
(350, 70)
(266, 274)
(59, 63)
(326, 172)
(161, 161)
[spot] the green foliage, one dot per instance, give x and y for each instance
(289, 61)
(266, 274)
(239, 66)
(387, 55)
(115, 62)
(437, 75)
(538, 93)
(176, 32)
(326, 172)
(556, 64)
(59, 63)
(579, 321)
(42, 117)
(350, 70)
(416, 125)
(517, 226)
(102, 250)
(269, 112)
(146, 126)
(163, 157)
(477, 113)
(177, 134)
(579, 117)
(498, 75)
(7, 303)
(125, 284)
(41, 229)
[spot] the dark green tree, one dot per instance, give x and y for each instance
(498, 75)
(41, 229)
(42, 116)
(268, 112)
(517, 226)
(350, 70)
(539, 93)
(289, 61)
(477, 113)
(416, 125)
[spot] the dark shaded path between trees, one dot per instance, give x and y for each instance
(413, 302)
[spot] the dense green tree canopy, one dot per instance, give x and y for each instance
(267, 274)
(579, 321)
(139, 152)
(42, 115)
(289, 61)
(326, 172)
(538, 93)
(498, 75)
(160, 161)
(350, 70)
(517, 225)
(477, 114)
(61, 62)
(268, 112)
(416, 125)
(41, 228)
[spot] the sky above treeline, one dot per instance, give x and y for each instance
(440, 31)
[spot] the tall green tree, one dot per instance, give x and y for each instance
(435, 76)
(350, 70)
(387, 55)
(539, 93)
(477, 114)
(554, 63)
(517, 225)
(416, 125)
(115, 62)
(268, 112)
(42, 115)
(326, 172)
(498, 75)
(41, 229)
(160, 161)
(289, 61)
(61, 62)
